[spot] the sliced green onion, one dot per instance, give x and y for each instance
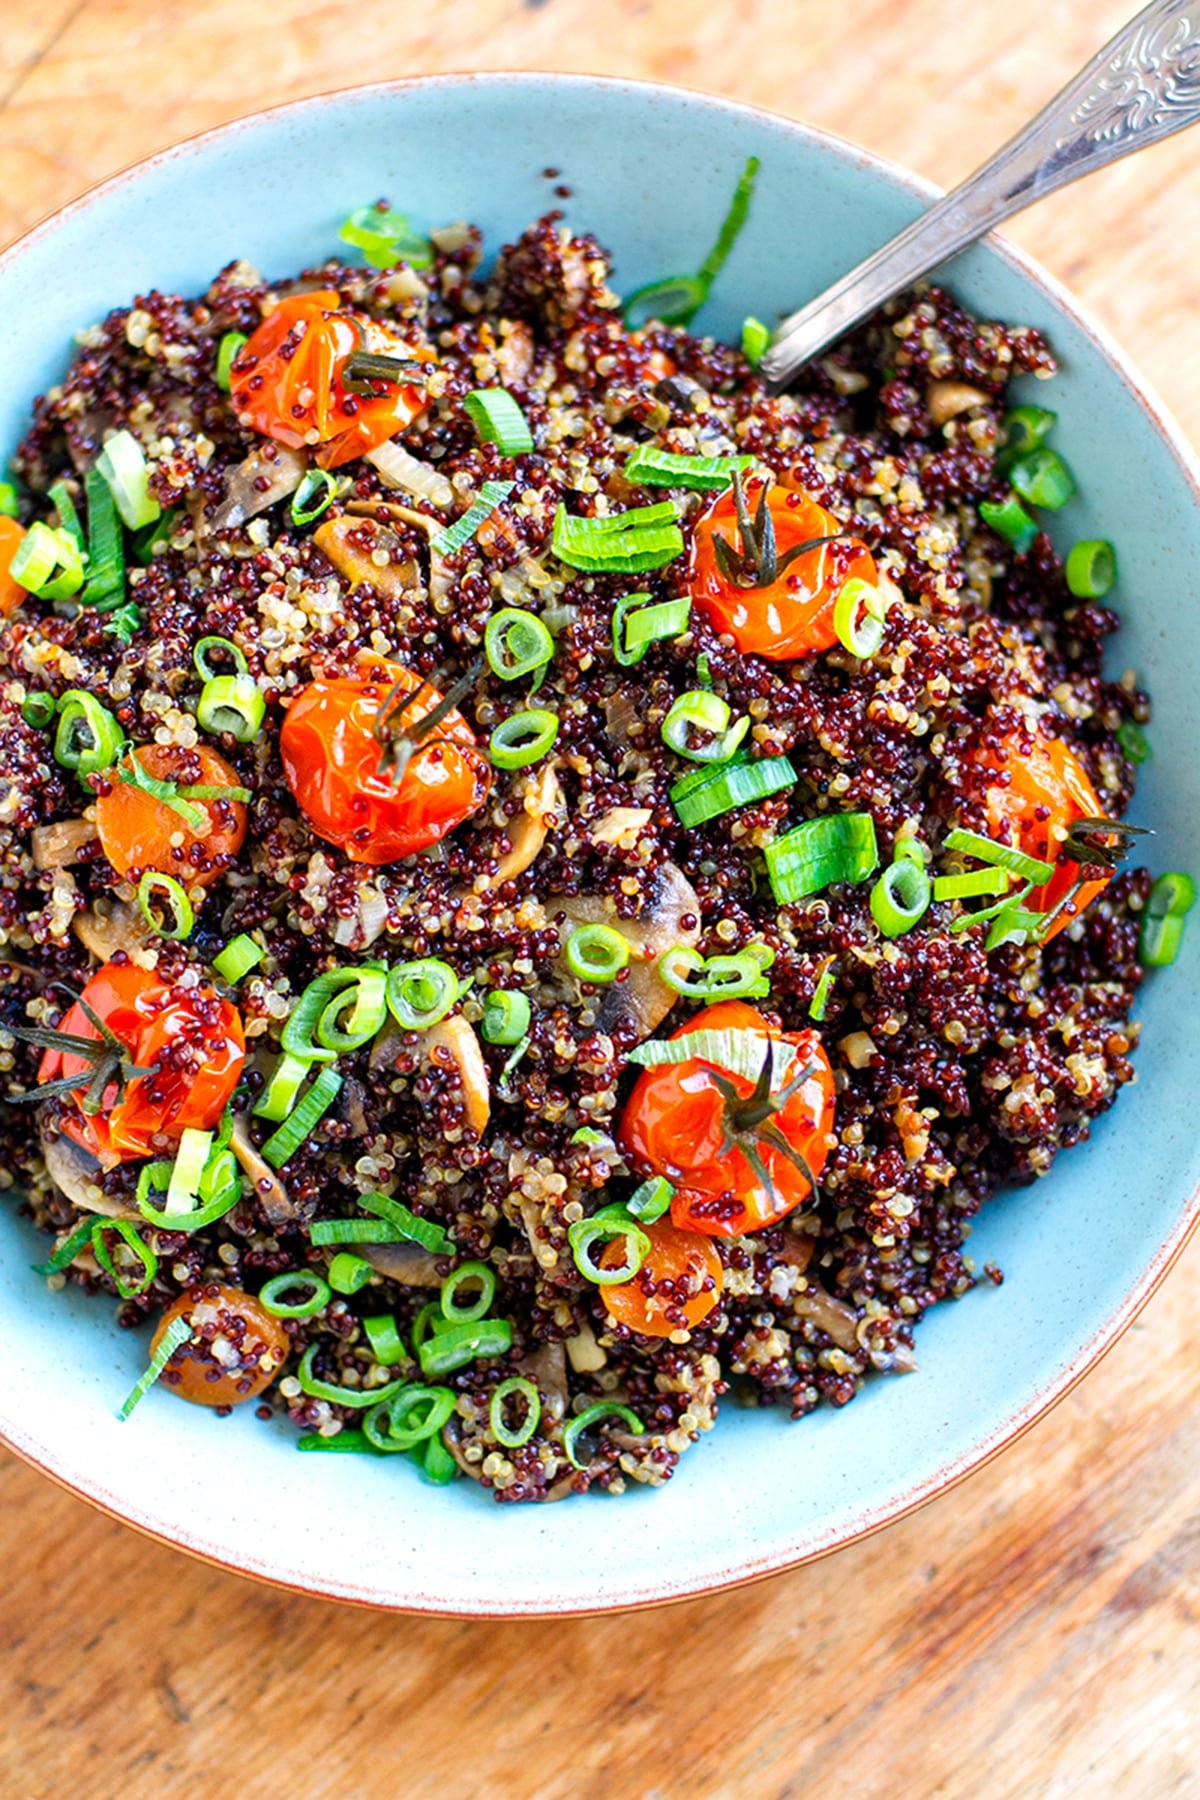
(59, 496)
(202, 653)
(173, 1338)
(386, 238)
(516, 643)
(48, 562)
(287, 1139)
(366, 1002)
(298, 1038)
(457, 1345)
(731, 224)
(818, 1006)
(88, 738)
(734, 1048)
(1171, 899)
(491, 494)
(313, 497)
(708, 792)
(175, 920)
(651, 1200)
(861, 635)
(220, 1189)
(973, 884)
(506, 1016)
(234, 704)
(516, 1057)
(130, 1235)
(986, 850)
(756, 338)
(146, 542)
(183, 1190)
(349, 1443)
(348, 1273)
(900, 898)
(587, 1134)
(1091, 568)
(966, 921)
(38, 710)
(122, 462)
(340, 1396)
(228, 351)
(1009, 520)
(499, 420)
(167, 791)
(1043, 479)
(1026, 428)
(1131, 738)
(672, 299)
(833, 847)
(353, 1231)
(469, 1274)
(523, 738)
(426, 1232)
(645, 537)
(638, 622)
(592, 1415)
(434, 1462)
(79, 1236)
(597, 953)
(240, 955)
(106, 546)
(387, 1346)
(10, 501)
(316, 1291)
(604, 1227)
(702, 710)
(697, 977)
(649, 467)
(429, 1318)
(420, 994)
(279, 1096)
(516, 1386)
(412, 1415)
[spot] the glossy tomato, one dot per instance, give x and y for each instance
(254, 1346)
(11, 538)
(793, 615)
(140, 830)
(679, 1124)
(1042, 792)
(190, 1037)
(286, 382)
(335, 764)
(677, 1286)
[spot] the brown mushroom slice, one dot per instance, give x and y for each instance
(410, 1264)
(547, 1367)
(399, 515)
(59, 845)
(643, 998)
(832, 1316)
(110, 925)
(621, 826)
(75, 1172)
(528, 832)
(270, 1192)
(584, 1353)
(352, 544)
(944, 400)
(281, 470)
(453, 1041)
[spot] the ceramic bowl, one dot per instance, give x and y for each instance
(650, 171)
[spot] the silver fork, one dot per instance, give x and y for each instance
(1141, 87)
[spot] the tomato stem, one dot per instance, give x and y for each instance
(108, 1056)
(1077, 846)
(402, 738)
(760, 564)
(749, 1121)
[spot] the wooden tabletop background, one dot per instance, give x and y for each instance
(1031, 1635)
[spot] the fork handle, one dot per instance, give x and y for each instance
(1141, 87)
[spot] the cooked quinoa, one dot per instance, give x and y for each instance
(956, 1068)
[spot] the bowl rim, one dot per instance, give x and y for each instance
(50, 1461)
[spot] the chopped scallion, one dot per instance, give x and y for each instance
(706, 793)
(506, 1016)
(315, 1289)
(309, 1110)
(240, 955)
(650, 467)
(1091, 568)
(173, 1338)
(597, 953)
(174, 919)
(593, 1415)
(122, 462)
(833, 847)
(516, 644)
(499, 420)
(453, 538)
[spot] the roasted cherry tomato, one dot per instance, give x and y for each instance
(791, 616)
(250, 1346)
(11, 592)
(287, 380)
(139, 830)
(340, 765)
(189, 1037)
(676, 1287)
(1046, 791)
(679, 1124)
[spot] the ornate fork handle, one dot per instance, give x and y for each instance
(1141, 87)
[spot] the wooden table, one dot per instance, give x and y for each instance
(1031, 1634)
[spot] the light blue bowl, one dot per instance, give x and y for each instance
(650, 171)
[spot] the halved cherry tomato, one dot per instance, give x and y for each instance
(11, 592)
(254, 1347)
(191, 1038)
(676, 1287)
(286, 381)
(1046, 791)
(336, 767)
(793, 616)
(136, 829)
(676, 1123)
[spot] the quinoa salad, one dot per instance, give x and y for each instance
(544, 882)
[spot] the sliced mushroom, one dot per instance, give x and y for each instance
(544, 798)
(75, 1172)
(621, 826)
(454, 1041)
(584, 1353)
(352, 544)
(946, 399)
(59, 845)
(281, 470)
(270, 1192)
(643, 998)
(838, 1320)
(392, 509)
(108, 926)
(548, 1368)
(797, 1250)
(410, 1264)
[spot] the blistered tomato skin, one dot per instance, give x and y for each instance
(793, 616)
(675, 1124)
(190, 1037)
(236, 1351)
(677, 1287)
(334, 765)
(1045, 790)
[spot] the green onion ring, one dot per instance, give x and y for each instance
(702, 710)
(506, 1016)
(180, 912)
(611, 1222)
(591, 1415)
(339, 1396)
(516, 643)
(233, 704)
(387, 1346)
(651, 1200)
(468, 1274)
(523, 738)
(128, 1232)
(509, 1390)
(348, 1273)
(420, 994)
(900, 898)
(455, 1346)
(597, 953)
(318, 1297)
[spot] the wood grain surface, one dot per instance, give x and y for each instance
(1031, 1636)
